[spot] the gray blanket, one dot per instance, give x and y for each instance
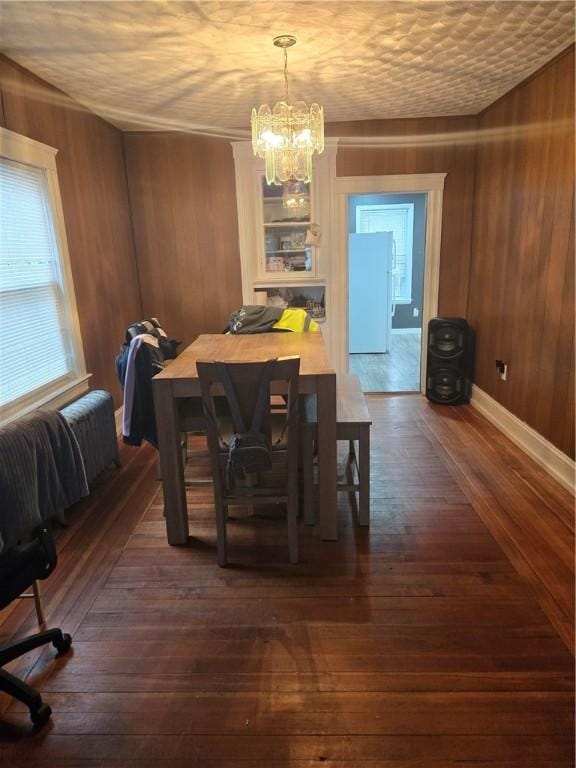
(41, 474)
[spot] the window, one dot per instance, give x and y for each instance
(397, 218)
(41, 360)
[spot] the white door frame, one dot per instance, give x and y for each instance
(431, 184)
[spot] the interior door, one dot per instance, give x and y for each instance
(369, 292)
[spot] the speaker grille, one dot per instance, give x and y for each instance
(446, 340)
(446, 385)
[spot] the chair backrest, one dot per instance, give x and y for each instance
(246, 378)
(26, 563)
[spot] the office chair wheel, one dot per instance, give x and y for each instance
(62, 645)
(41, 715)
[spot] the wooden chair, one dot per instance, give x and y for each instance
(191, 420)
(353, 424)
(282, 430)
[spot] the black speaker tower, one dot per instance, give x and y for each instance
(450, 361)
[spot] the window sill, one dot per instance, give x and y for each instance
(58, 398)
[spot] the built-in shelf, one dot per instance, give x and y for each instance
(265, 225)
(297, 296)
(288, 250)
(279, 198)
(287, 223)
(287, 280)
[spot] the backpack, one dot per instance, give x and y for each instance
(254, 319)
(261, 319)
(249, 450)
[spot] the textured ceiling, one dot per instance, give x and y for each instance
(203, 65)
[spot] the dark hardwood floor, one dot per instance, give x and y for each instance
(437, 638)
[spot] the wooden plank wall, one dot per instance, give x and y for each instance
(186, 268)
(522, 272)
(183, 197)
(96, 210)
(426, 145)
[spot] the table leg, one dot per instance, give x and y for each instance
(364, 476)
(171, 466)
(327, 469)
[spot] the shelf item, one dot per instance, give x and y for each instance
(288, 261)
(274, 264)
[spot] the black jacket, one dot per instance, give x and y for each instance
(142, 356)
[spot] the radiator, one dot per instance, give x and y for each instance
(92, 421)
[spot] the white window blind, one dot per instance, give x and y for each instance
(397, 218)
(36, 351)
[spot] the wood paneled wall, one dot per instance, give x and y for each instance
(522, 274)
(183, 198)
(94, 192)
(426, 145)
(182, 191)
(507, 238)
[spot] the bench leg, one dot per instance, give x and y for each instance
(308, 477)
(221, 544)
(364, 476)
(350, 470)
(292, 511)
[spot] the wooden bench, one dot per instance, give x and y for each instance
(353, 424)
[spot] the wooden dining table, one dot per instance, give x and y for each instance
(180, 380)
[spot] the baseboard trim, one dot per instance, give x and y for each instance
(544, 453)
(118, 419)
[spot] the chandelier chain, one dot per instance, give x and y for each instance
(286, 97)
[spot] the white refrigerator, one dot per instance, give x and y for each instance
(369, 292)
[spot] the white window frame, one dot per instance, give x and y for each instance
(409, 208)
(21, 149)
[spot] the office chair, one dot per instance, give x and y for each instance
(20, 567)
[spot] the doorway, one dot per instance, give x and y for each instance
(386, 255)
(431, 185)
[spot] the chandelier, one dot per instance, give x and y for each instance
(287, 135)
